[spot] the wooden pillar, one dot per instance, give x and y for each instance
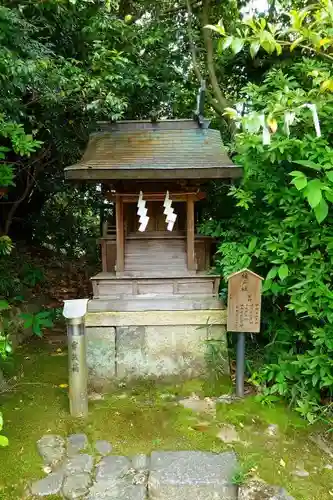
(120, 234)
(190, 233)
(104, 255)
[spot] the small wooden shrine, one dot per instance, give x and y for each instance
(155, 288)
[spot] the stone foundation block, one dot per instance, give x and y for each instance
(192, 475)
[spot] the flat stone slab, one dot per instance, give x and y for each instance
(140, 462)
(50, 485)
(113, 467)
(103, 447)
(192, 474)
(51, 448)
(256, 490)
(76, 443)
(79, 464)
(116, 490)
(76, 486)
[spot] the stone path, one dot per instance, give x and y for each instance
(72, 473)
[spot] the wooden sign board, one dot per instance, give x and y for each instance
(244, 302)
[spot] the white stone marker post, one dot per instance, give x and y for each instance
(74, 312)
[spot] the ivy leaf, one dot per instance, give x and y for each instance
(237, 45)
(321, 211)
(313, 192)
(283, 271)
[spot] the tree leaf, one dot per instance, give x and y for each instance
(300, 182)
(321, 211)
(237, 45)
(329, 196)
(3, 441)
(296, 173)
(278, 49)
(4, 305)
(219, 29)
(254, 47)
(327, 85)
(253, 244)
(283, 271)
(272, 273)
(227, 42)
(295, 43)
(308, 163)
(329, 175)
(313, 192)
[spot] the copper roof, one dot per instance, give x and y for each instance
(170, 149)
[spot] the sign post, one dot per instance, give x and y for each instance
(244, 311)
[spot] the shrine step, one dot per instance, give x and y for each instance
(156, 303)
(108, 286)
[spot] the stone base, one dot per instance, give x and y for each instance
(151, 343)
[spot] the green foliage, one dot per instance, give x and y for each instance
(282, 225)
(3, 439)
(6, 246)
(309, 29)
(32, 275)
(244, 471)
(38, 321)
(69, 223)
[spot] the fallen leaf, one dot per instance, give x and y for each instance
(282, 463)
(63, 386)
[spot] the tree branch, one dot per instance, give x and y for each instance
(13, 208)
(222, 101)
(215, 104)
(324, 55)
(192, 44)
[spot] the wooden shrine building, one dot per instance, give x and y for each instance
(155, 301)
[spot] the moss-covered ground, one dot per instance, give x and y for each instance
(145, 417)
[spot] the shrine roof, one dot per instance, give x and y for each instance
(170, 149)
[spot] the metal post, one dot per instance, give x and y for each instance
(240, 367)
(74, 312)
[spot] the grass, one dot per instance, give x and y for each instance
(144, 417)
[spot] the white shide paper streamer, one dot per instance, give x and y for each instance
(169, 212)
(142, 212)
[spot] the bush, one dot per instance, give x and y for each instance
(282, 226)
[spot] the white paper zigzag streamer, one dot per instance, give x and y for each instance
(142, 212)
(169, 212)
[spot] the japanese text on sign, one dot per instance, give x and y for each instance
(244, 302)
